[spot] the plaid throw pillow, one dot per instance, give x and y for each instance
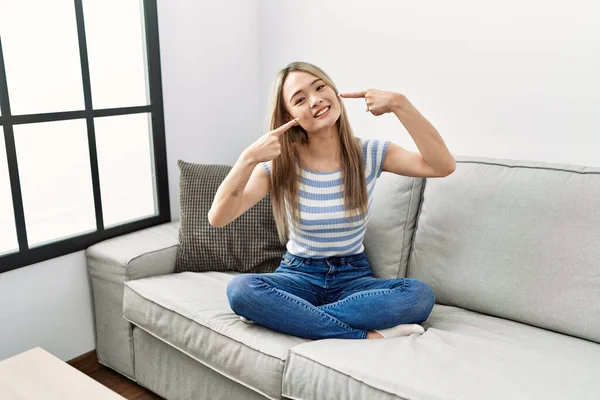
(248, 244)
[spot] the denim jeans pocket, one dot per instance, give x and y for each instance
(361, 263)
(291, 262)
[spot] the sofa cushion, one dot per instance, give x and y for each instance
(248, 244)
(391, 224)
(174, 375)
(514, 239)
(462, 355)
(190, 312)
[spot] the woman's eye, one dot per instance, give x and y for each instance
(320, 86)
(299, 100)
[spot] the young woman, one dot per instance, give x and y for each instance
(321, 179)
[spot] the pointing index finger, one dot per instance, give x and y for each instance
(281, 130)
(354, 95)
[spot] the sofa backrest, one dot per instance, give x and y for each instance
(513, 239)
(391, 225)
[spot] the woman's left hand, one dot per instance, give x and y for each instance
(378, 101)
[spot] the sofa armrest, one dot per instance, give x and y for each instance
(113, 262)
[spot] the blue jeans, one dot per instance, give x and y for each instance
(335, 297)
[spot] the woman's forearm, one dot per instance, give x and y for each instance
(228, 198)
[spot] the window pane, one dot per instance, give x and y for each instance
(125, 161)
(54, 168)
(41, 54)
(116, 52)
(8, 233)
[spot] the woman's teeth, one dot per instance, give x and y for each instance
(321, 112)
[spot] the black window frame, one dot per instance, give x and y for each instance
(27, 256)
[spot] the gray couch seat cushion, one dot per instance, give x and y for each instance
(462, 355)
(190, 311)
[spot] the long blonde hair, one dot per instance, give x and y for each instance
(284, 171)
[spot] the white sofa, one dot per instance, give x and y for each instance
(510, 248)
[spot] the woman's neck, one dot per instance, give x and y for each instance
(323, 146)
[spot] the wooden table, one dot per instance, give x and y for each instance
(36, 374)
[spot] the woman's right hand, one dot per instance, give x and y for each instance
(268, 147)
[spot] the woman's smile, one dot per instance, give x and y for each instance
(322, 112)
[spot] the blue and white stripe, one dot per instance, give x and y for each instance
(325, 230)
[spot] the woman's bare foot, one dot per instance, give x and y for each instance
(374, 335)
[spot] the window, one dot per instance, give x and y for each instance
(82, 145)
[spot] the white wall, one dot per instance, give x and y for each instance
(210, 72)
(49, 305)
(209, 57)
(511, 79)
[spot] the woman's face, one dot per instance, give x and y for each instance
(310, 98)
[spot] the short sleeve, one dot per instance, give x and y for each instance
(267, 166)
(374, 152)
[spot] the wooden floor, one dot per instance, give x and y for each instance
(89, 365)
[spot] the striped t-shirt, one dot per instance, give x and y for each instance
(324, 229)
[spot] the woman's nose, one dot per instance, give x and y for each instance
(315, 101)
